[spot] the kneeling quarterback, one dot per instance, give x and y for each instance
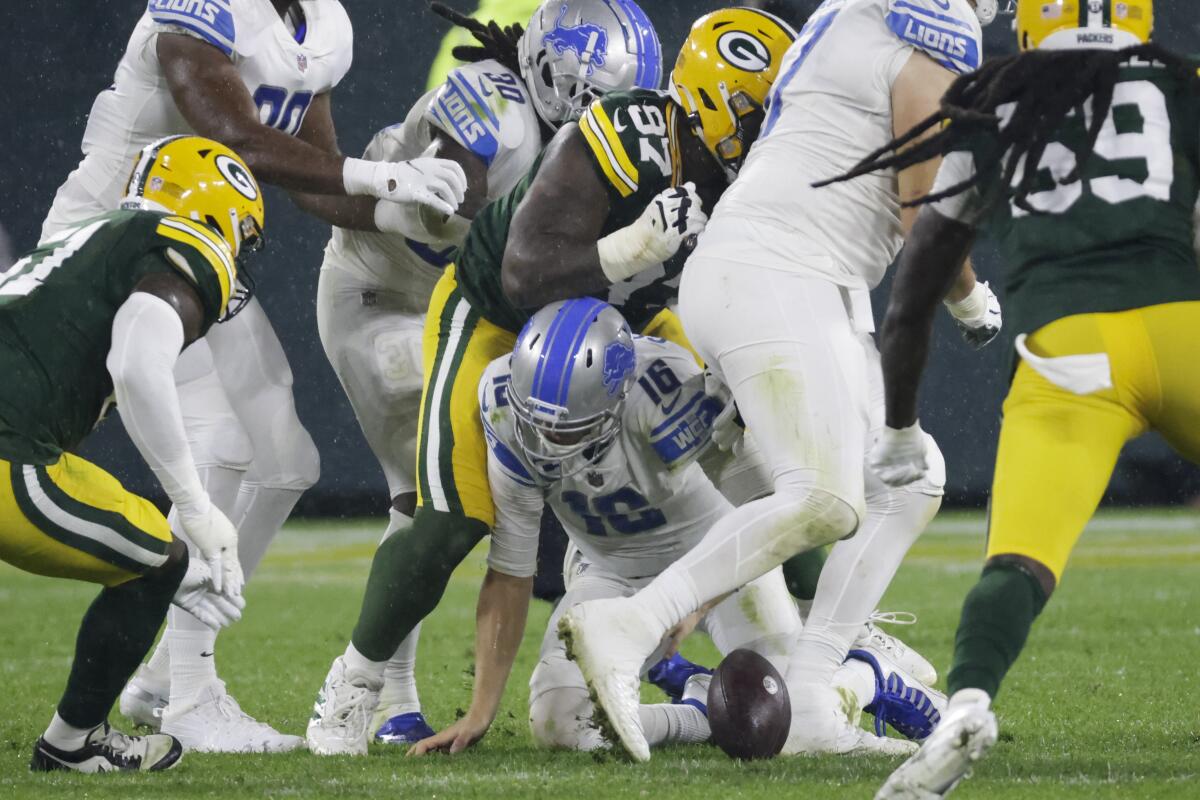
(101, 313)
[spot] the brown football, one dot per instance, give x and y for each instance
(748, 707)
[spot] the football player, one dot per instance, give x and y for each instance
(776, 300)
(607, 428)
(491, 116)
(1097, 214)
(256, 76)
(101, 313)
(608, 193)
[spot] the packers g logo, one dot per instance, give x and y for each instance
(744, 51)
(238, 177)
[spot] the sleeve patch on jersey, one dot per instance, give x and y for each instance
(462, 112)
(608, 151)
(200, 239)
(687, 430)
(212, 20)
(509, 463)
(952, 42)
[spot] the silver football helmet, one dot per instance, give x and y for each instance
(574, 51)
(572, 367)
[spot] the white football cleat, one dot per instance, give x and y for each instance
(610, 642)
(213, 722)
(822, 724)
(142, 701)
(341, 720)
(967, 731)
(880, 643)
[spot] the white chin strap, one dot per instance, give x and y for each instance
(987, 10)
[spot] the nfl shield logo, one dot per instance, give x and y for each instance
(302, 62)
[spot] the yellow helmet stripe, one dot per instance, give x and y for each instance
(602, 137)
(185, 232)
(673, 140)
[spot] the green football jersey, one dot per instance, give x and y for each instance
(1122, 234)
(630, 137)
(57, 306)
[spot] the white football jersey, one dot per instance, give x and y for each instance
(485, 108)
(642, 505)
(282, 70)
(830, 107)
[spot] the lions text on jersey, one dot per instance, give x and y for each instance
(830, 107)
(283, 69)
(639, 507)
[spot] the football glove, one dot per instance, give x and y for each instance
(435, 182)
(899, 455)
(215, 537)
(728, 429)
(672, 217)
(977, 316)
(197, 597)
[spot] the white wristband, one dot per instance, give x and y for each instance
(627, 252)
(358, 176)
(971, 308)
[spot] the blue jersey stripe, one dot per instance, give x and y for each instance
(956, 51)
(810, 36)
(459, 80)
(211, 19)
(650, 66)
(507, 458)
(934, 15)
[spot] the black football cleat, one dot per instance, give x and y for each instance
(108, 750)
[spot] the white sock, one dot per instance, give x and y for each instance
(193, 661)
(156, 676)
(399, 694)
(64, 736)
(396, 521)
(259, 514)
(856, 678)
(665, 724)
(360, 669)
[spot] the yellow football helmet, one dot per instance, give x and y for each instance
(1070, 24)
(203, 180)
(723, 74)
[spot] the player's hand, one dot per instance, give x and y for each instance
(438, 183)
(899, 455)
(978, 316)
(197, 596)
(672, 217)
(728, 428)
(215, 537)
(458, 737)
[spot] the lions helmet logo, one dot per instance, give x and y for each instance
(619, 361)
(744, 51)
(586, 40)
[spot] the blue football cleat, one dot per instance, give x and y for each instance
(671, 675)
(404, 729)
(907, 705)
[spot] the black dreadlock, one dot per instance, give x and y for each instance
(1045, 87)
(496, 43)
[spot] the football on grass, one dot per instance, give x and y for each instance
(748, 707)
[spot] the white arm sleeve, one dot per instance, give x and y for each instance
(147, 336)
(956, 167)
(514, 544)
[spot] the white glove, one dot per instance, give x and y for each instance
(435, 182)
(197, 597)
(899, 456)
(215, 537)
(977, 315)
(671, 218)
(728, 429)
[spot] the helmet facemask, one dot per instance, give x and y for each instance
(560, 448)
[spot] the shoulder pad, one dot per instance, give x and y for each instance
(484, 107)
(946, 30)
(202, 257)
(493, 408)
(337, 37)
(628, 132)
(211, 20)
(669, 379)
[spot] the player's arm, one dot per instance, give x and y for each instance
(149, 331)
(503, 604)
(209, 92)
(555, 250)
(917, 93)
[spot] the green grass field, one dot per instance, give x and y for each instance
(1102, 705)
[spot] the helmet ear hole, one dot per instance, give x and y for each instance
(707, 100)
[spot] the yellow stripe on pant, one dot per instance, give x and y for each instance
(74, 520)
(1058, 449)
